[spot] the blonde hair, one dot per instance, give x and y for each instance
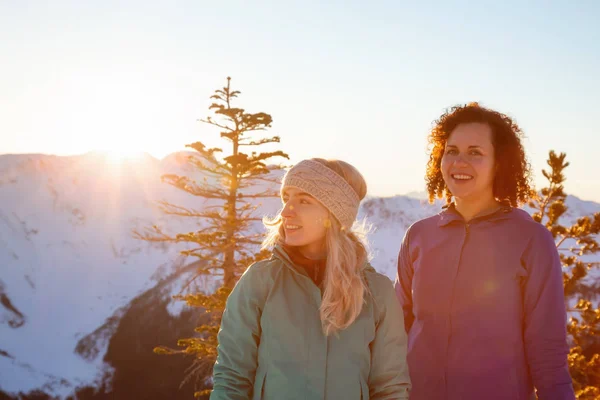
(344, 284)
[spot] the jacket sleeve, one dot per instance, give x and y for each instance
(389, 378)
(239, 335)
(403, 283)
(545, 319)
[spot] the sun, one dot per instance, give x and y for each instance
(120, 155)
(117, 155)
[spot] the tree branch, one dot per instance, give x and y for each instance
(275, 139)
(261, 195)
(211, 122)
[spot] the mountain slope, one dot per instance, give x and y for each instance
(72, 276)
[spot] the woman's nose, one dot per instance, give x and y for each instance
(460, 159)
(288, 210)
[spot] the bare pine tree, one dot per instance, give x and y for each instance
(225, 245)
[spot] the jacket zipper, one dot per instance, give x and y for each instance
(450, 310)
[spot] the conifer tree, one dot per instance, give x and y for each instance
(575, 243)
(225, 245)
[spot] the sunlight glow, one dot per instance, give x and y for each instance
(117, 156)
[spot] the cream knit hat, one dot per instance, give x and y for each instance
(326, 186)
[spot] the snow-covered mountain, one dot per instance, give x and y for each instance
(70, 269)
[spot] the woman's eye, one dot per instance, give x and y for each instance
(451, 151)
(475, 153)
(304, 201)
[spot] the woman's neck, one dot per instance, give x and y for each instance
(314, 255)
(472, 208)
(313, 251)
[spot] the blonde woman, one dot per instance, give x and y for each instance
(315, 321)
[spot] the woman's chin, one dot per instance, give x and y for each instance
(292, 242)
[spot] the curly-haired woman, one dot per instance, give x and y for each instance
(480, 283)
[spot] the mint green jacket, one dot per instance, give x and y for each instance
(271, 344)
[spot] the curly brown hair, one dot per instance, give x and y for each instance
(512, 181)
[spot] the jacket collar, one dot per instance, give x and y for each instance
(280, 253)
(449, 214)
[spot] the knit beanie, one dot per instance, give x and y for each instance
(326, 186)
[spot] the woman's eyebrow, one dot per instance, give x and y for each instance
(473, 146)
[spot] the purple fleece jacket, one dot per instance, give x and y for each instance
(483, 308)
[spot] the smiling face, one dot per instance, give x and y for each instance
(305, 222)
(468, 162)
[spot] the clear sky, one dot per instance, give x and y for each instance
(356, 80)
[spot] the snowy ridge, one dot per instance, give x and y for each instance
(70, 268)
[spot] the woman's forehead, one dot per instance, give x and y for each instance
(472, 133)
(474, 137)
